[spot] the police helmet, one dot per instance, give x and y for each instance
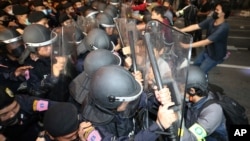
(36, 35)
(112, 85)
(8, 35)
(13, 38)
(111, 10)
(197, 79)
(114, 2)
(90, 13)
(105, 20)
(97, 39)
(101, 6)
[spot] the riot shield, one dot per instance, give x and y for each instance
(126, 10)
(166, 64)
(128, 34)
(87, 23)
(64, 50)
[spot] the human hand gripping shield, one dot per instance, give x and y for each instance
(166, 65)
(64, 50)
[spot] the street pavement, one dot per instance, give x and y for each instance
(232, 77)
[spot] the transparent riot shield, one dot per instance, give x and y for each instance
(166, 64)
(126, 10)
(128, 34)
(64, 50)
(86, 23)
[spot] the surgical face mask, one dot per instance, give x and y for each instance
(45, 11)
(215, 15)
(27, 22)
(10, 12)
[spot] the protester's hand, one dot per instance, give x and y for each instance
(138, 76)
(23, 71)
(184, 45)
(163, 95)
(128, 62)
(165, 116)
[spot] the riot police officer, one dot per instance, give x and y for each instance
(12, 74)
(19, 115)
(112, 104)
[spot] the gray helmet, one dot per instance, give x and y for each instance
(105, 20)
(90, 13)
(97, 39)
(79, 87)
(112, 85)
(114, 2)
(36, 35)
(8, 35)
(112, 11)
(101, 6)
(197, 78)
(12, 40)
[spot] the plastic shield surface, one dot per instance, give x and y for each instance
(166, 64)
(86, 23)
(128, 34)
(64, 50)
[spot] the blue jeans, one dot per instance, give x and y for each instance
(205, 62)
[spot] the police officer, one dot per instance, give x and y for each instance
(209, 124)
(45, 77)
(19, 115)
(79, 87)
(113, 101)
(12, 74)
(95, 39)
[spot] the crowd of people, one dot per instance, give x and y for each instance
(66, 73)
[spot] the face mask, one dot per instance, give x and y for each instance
(45, 12)
(12, 121)
(17, 52)
(10, 12)
(5, 23)
(27, 22)
(215, 15)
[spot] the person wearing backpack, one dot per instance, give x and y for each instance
(207, 123)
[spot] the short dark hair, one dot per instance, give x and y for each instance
(226, 7)
(159, 10)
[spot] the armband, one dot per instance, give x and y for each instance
(92, 135)
(40, 105)
(199, 132)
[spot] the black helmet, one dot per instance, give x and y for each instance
(197, 78)
(36, 35)
(79, 87)
(105, 20)
(8, 35)
(112, 85)
(97, 39)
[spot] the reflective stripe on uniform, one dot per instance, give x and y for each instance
(199, 132)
